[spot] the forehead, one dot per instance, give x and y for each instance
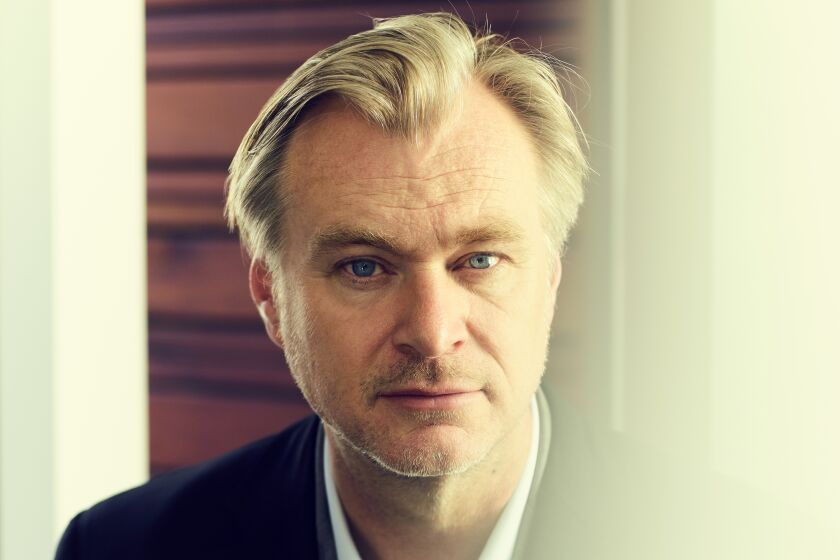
(476, 169)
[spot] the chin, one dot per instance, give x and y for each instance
(423, 464)
(431, 452)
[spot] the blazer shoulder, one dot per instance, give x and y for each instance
(254, 496)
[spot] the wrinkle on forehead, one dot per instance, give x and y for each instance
(474, 167)
(482, 168)
(403, 197)
(424, 179)
(338, 145)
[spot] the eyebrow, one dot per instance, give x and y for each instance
(337, 237)
(499, 231)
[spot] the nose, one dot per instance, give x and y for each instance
(433, 315)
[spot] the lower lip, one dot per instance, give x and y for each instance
(450, 401)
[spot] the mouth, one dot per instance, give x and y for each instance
(431, 398)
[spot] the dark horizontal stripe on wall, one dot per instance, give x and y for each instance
(278, 394)
(531, 31)
(268, 34)
(220, 72)
(271, 35)
(176, 231)
(310, 23)
(468, 10)
(259, 71)
(174, 8)
(172, 195)
(188, 164)
(157, 8)
(178, 197)
(207, 324)
(198, 231)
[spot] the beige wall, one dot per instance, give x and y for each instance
(700, 313)
(72, 280)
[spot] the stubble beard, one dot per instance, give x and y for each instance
(423, 458)
(375, 444)
(360, 437)
(365, 440)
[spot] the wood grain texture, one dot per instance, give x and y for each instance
(214, 361)
(187, 183)
(334, 21)
(203, 119)
(201, 278)
(186, 429)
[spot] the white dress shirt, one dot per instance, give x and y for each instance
(502, 539)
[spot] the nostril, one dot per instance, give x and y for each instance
(409, 351)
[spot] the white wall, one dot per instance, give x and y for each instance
(699, 316)
(72, 264)
(775, 375)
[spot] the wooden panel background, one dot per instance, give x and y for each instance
(216, 382)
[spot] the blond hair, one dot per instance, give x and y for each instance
(404, 76)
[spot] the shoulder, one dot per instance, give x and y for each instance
(259, 498)
(560, 515)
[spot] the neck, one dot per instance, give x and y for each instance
(451, 516)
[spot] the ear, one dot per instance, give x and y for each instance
(554, 283)
(260, 282)
(556, 274)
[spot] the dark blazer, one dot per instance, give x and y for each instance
(256, 502)
(267, 500)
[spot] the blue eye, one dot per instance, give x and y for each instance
(483, 260)
(363, 268)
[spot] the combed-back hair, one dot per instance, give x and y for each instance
(405, 76)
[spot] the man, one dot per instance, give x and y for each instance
(405, 197)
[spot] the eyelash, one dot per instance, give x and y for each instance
(342, 267)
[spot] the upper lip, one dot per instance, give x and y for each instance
(427, 391)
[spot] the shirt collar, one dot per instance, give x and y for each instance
(502, 539)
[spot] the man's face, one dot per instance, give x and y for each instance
(416, 288)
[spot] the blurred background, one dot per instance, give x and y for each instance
(697, 320)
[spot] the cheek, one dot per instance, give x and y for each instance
(347, 340)
(508, 335)
(515, 329)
